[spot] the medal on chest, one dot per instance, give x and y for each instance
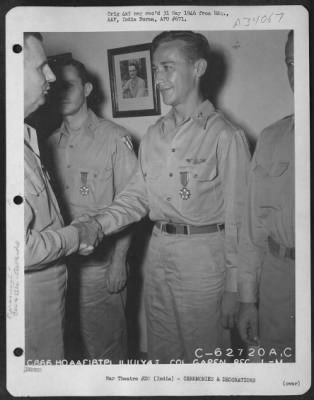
(84, 189)
(185, 193)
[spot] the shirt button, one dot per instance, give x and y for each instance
(173, 150)
(171, 174)
(71, 146)
(69, 166)
(67, 187)
(168, 198)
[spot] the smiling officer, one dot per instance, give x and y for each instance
(191, 181)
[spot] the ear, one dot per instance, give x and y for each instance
(88, 87)
(200, 67)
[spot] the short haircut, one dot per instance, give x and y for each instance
(195, 46)
(36, 35)
(80, 69)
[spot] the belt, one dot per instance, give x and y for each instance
(182, 229)
(280, 250)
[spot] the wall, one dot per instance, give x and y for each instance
(254, 90)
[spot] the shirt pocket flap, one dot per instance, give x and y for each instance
(278, 168)
(208, 171)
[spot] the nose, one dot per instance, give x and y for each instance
(159, 76)
(49, 75)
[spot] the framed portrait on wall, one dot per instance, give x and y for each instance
(132, 83)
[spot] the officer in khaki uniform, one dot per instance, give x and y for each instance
(191, 180)
(92, 160)
(267, 256)
(47, 241)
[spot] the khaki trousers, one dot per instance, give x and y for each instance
(277, 309)
(183, 287)
(44, 313)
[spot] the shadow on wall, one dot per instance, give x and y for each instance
(213, 83)
(214, 79)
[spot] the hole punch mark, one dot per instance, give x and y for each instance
(17, 48)
(18, 200)
(18, 352)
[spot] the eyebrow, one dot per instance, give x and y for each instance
(165, 62)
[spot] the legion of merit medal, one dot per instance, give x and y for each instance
(84, 189)
(185, 193)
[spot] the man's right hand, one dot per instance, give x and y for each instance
(90, 234)
(248, 323)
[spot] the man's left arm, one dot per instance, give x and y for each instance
(124, 166)
(234, 160)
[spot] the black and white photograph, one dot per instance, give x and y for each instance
(133, 89)
(133, 85)
(165, 248)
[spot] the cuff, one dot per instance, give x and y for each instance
(231, 284)
(70, 238)
(247, 292)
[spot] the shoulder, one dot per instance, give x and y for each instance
(277, 127)
(112, 133)
(222, 124)
(270, 139)
(272, 134)
(225, 130)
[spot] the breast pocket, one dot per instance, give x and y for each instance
(37, 196)
(274, 184)
(202, 180)
(207, 171)
(102, 182)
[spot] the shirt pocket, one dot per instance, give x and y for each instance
(274, 185)
(278, 169)
(38, 198)
(207, 171)
(201, 180)
(94, 186)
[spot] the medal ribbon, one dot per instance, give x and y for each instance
(184, 178)
(84, 178)
(84, 188)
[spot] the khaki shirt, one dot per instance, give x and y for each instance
(270, 208)
(46, 240)
(207, 155)
(99, 157)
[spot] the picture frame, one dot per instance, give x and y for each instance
(133, 89)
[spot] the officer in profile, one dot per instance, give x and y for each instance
(47, 240)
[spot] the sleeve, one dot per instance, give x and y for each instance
(234, 159)
(130, 206)
(253, 239)
(124, 162)
(42, 248)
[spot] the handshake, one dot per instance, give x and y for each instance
(90, 233)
